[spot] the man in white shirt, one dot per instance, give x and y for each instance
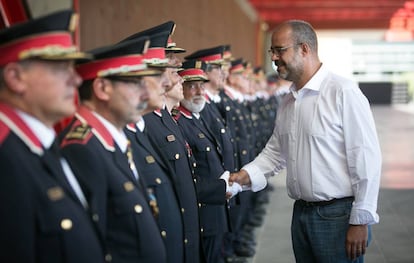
(326, 138)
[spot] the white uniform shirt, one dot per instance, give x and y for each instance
(326, 138)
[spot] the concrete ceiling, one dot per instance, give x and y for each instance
(337, 14)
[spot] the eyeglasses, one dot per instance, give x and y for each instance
(278, 51)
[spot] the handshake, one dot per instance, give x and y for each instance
(233, 188)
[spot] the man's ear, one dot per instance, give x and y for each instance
(304, 47)
(102, 88)
(14, 77)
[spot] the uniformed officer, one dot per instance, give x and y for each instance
(230, 112)
(207, 153)
(114, 93)
(159, 181)
(44, 214)
(165, 134)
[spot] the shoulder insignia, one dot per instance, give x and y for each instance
(80, 134)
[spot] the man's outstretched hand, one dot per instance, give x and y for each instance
(241, 177)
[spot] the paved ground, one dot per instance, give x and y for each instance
(393, 237)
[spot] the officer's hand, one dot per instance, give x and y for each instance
(234, 190)
(241, 177)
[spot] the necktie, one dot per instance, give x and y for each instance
(131, 160)
(152, 201)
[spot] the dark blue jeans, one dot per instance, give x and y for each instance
(319, 232)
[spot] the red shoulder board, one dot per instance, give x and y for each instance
(86, 117)
(80, 133)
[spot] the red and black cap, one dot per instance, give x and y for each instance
(155, 56)
(48, 37)
(227, 53)
(122, 59)
(237, 66)
(210, 55)
(193, 70)
(167, 26)
(258, 73)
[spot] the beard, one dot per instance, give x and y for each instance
(192, 106)
(291, 72)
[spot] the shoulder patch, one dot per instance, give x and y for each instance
(79, 134)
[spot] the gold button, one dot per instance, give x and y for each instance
(163, 233)
(223, 130)
(108, 257)
(95, 217)
(244, 152)
(199, 204)
(177, 156)
(195, 180)
(138, 209)
(202, 230)
(158, 180)
(194, 165)
(66, 224)
(182, 210)
(227, 108)
(185, 240)
(207, 149)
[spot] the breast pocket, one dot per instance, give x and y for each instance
(55, 224)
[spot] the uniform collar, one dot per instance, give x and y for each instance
(118, 136)
(45, 134)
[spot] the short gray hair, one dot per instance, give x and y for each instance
(303, 32)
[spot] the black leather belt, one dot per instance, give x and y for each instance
(323, 203)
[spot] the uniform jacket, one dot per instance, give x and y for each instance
(118, 201)
(165, 135)
(226, 145)
(160, 183)
(209, 167)
(42, 220)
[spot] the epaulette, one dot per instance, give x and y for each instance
(80, 133)
(186, 113)
(84, 115)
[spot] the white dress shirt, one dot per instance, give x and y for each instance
(326, 138)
